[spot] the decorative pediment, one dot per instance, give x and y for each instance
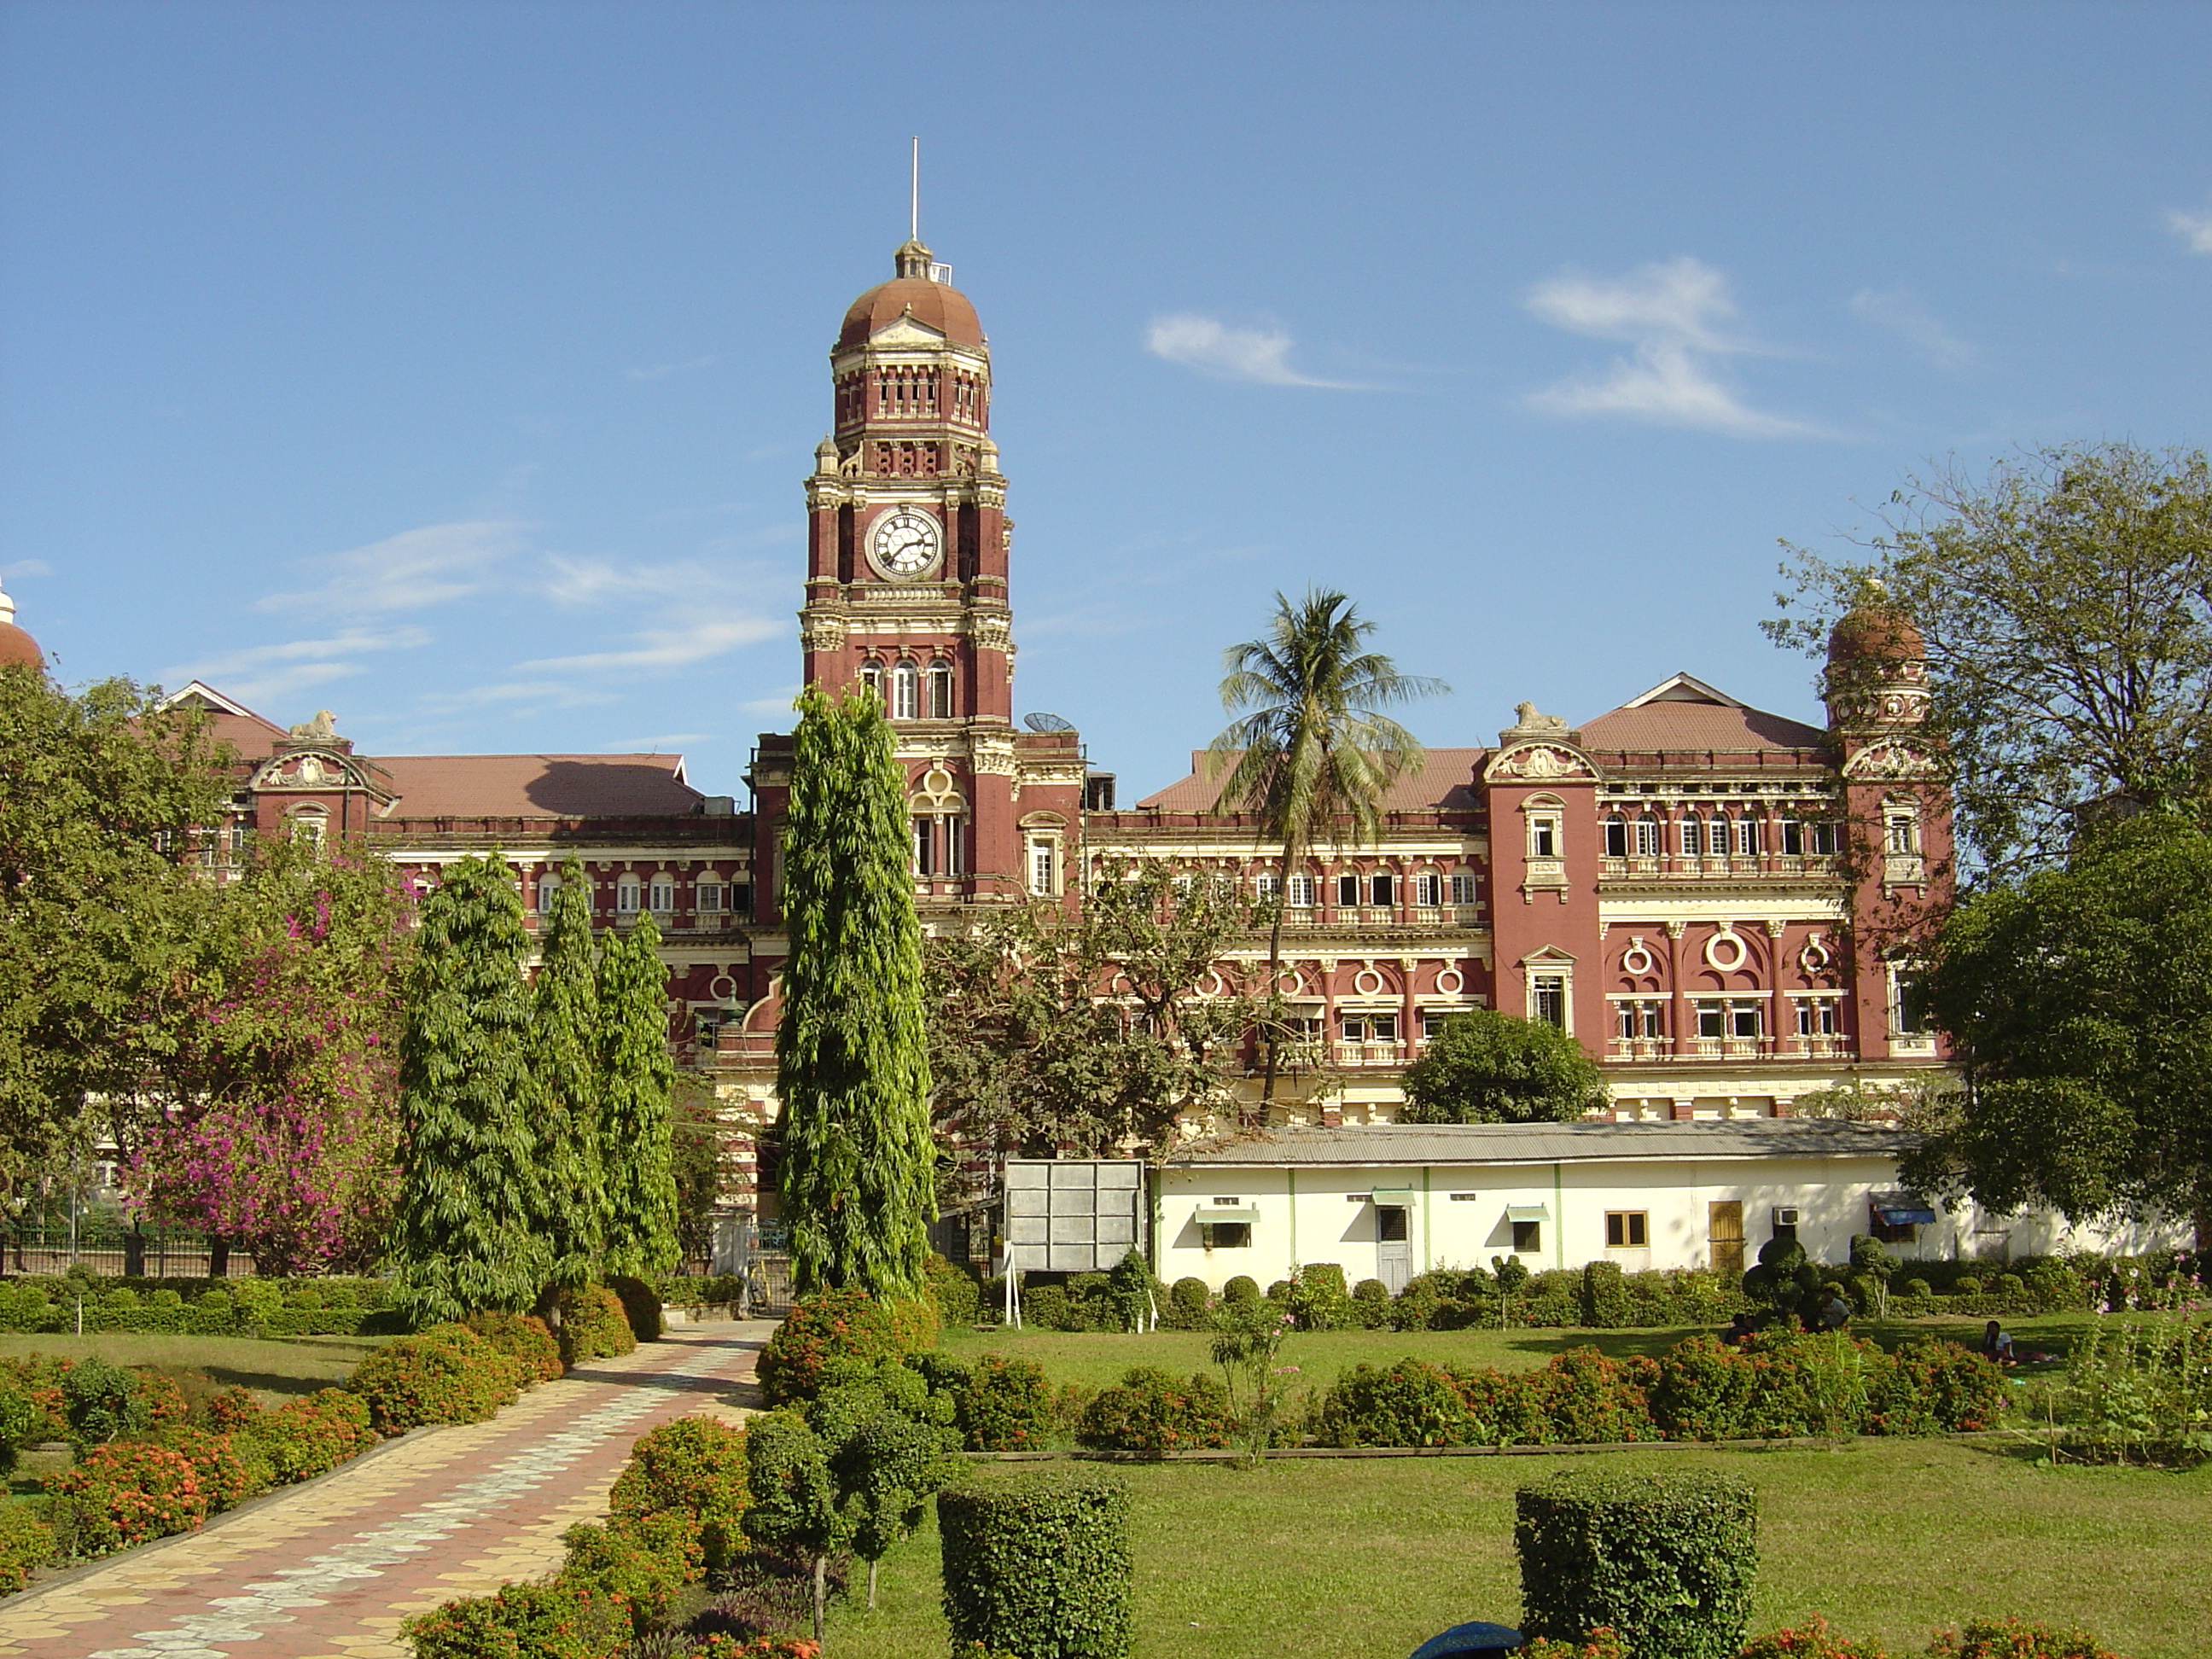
(1540, 762)
(906, 330)
(1547, 956)
(314, 769)
(1890, 759)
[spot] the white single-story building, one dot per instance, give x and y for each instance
(1388, 1201)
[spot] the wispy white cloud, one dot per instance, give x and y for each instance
(412, 571)
(662, 371)
(545, 694)
(776, 706)
(1678, 317)
(268, 673)
(660, 744)
(1899, 312)
(2194, 228)
(676, 647)
(27, 568)
(1261, 356)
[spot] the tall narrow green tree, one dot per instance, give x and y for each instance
(468, 1097)
(635, 1104)
(564, 1034)
(852, 1062)
(1311, 754)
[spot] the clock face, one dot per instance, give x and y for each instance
(905, 541)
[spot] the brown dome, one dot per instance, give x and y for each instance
(935, 305)
(1872, 631)
(17, 647)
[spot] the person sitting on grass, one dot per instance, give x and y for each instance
(1997, 1345)
(1739, 1332)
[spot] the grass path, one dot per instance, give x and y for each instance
(1889, 1539)
(277, 1366)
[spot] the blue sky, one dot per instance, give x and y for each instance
(455, 367)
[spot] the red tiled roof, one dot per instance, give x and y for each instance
(1443, 782)
(537, 786)
(1668, 725)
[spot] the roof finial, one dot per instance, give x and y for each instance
(7, 609)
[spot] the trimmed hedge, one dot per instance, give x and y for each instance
(828, 1327)
(641, 1306)
(1038, 1564)
(525, 1340)
(1150, 1410)
(593, 1325)
(1667, 1561)
(28, 1542)
(218, 1306)
(448, 1374)
(561, 1618)
(303, 1439)
(693, 1468)
(1005, 1406)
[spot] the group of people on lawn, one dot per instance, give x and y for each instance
(1833, 1313)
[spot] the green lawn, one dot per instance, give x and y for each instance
(1095, 1358)
(275, 1366)
(1365, 1558)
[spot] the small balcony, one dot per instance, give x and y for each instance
(1370, 1054)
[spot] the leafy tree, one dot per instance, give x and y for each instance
(795, 1496)
(852, 1062)
(2066, 606)
(275, 1123)
(639, 1079)
(1095, 1032)
(565, 1054)
(1488, 1067)
(102, 923)
(2081, 1004)
(464, 1239)
(888, 1470)
(703, 1158)
(1312, 755)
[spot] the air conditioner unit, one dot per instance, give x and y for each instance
(1785, 1215)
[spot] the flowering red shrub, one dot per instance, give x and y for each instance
(225, 1479)
(1703, 1391)
(1589, 1399)
(303, 1439)
(562, 1618)
(722, 1646)
(1928, 1387)
(230, 1410)
(164, 1400)
(1817, 1640)
(1601, 1644)
(1989, 1638)
(537, 1355)
(835, 1325)
(1006, 1406)
(447, 1374)
(1155, 1411)
(128, 1491)
(694, 1466)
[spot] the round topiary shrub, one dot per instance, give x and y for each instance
(593, 1324)
(693, 1468)
(831, 1326)
(447, 1374)
(1410, 1403)
(522, 1338)
(1243, 1288)
(641, 1305)
(1966, 1285)
(1006, 1406)
(1037, 1563)
(1668, 1561)
(1919, 1287)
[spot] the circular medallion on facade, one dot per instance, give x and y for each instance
(1726, 950)
(906, 543)
(1451, 982)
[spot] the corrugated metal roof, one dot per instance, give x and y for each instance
(1553, 1143)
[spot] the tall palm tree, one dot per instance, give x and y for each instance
(1310, 753)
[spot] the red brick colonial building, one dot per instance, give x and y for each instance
(1716, 902)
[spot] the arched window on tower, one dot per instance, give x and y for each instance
(939, 818)
(872, 679)
(906, 692)
(940, 689)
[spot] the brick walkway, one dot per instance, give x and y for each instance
(327, 1571)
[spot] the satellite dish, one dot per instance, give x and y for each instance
(1046, 723)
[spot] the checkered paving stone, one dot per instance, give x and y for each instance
(329, 1570)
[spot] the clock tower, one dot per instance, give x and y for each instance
(906, 589)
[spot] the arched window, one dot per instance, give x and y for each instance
(1616, 836)
(661, 894)
(1647, 837)
(626, 895)
(906, 692)
(938, 815)
(1693, 838)
(940, 691)
(547, 884)
(309, 825)
(872, 678)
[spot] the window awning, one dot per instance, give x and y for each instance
(1527, 1212)
(1209, 1215)
(1907, 1214)
(1402, 1197)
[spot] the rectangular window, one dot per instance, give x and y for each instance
(1827, 837)
(1902, 835)
(1712, 1018)
(1528, 1237)
(1347, 892)
(1793, 838)
(1462, 889)
(1616, 838)
(661, 896)
(1302, 893)
(1382, 1028)
(940, 693)
(1390, 1221)
(906, 692)
(1044, 866)
(1624, 1019)
(1651, 1012)
(1817, 1016)
(1543, 838)
(1226, 1235)
(1627, 1229)
(741, 897)
(1548, 999)
(1267, 885)
(1747, 838)
(1432, 1025)
(1743, 1020)
(626, 898)
(1429, 890)
(924, 847)
(1354, 1026)
(1909, 1015)
(1382, 890)
(1647, 838)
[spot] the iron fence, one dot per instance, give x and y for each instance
(51, 1250)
